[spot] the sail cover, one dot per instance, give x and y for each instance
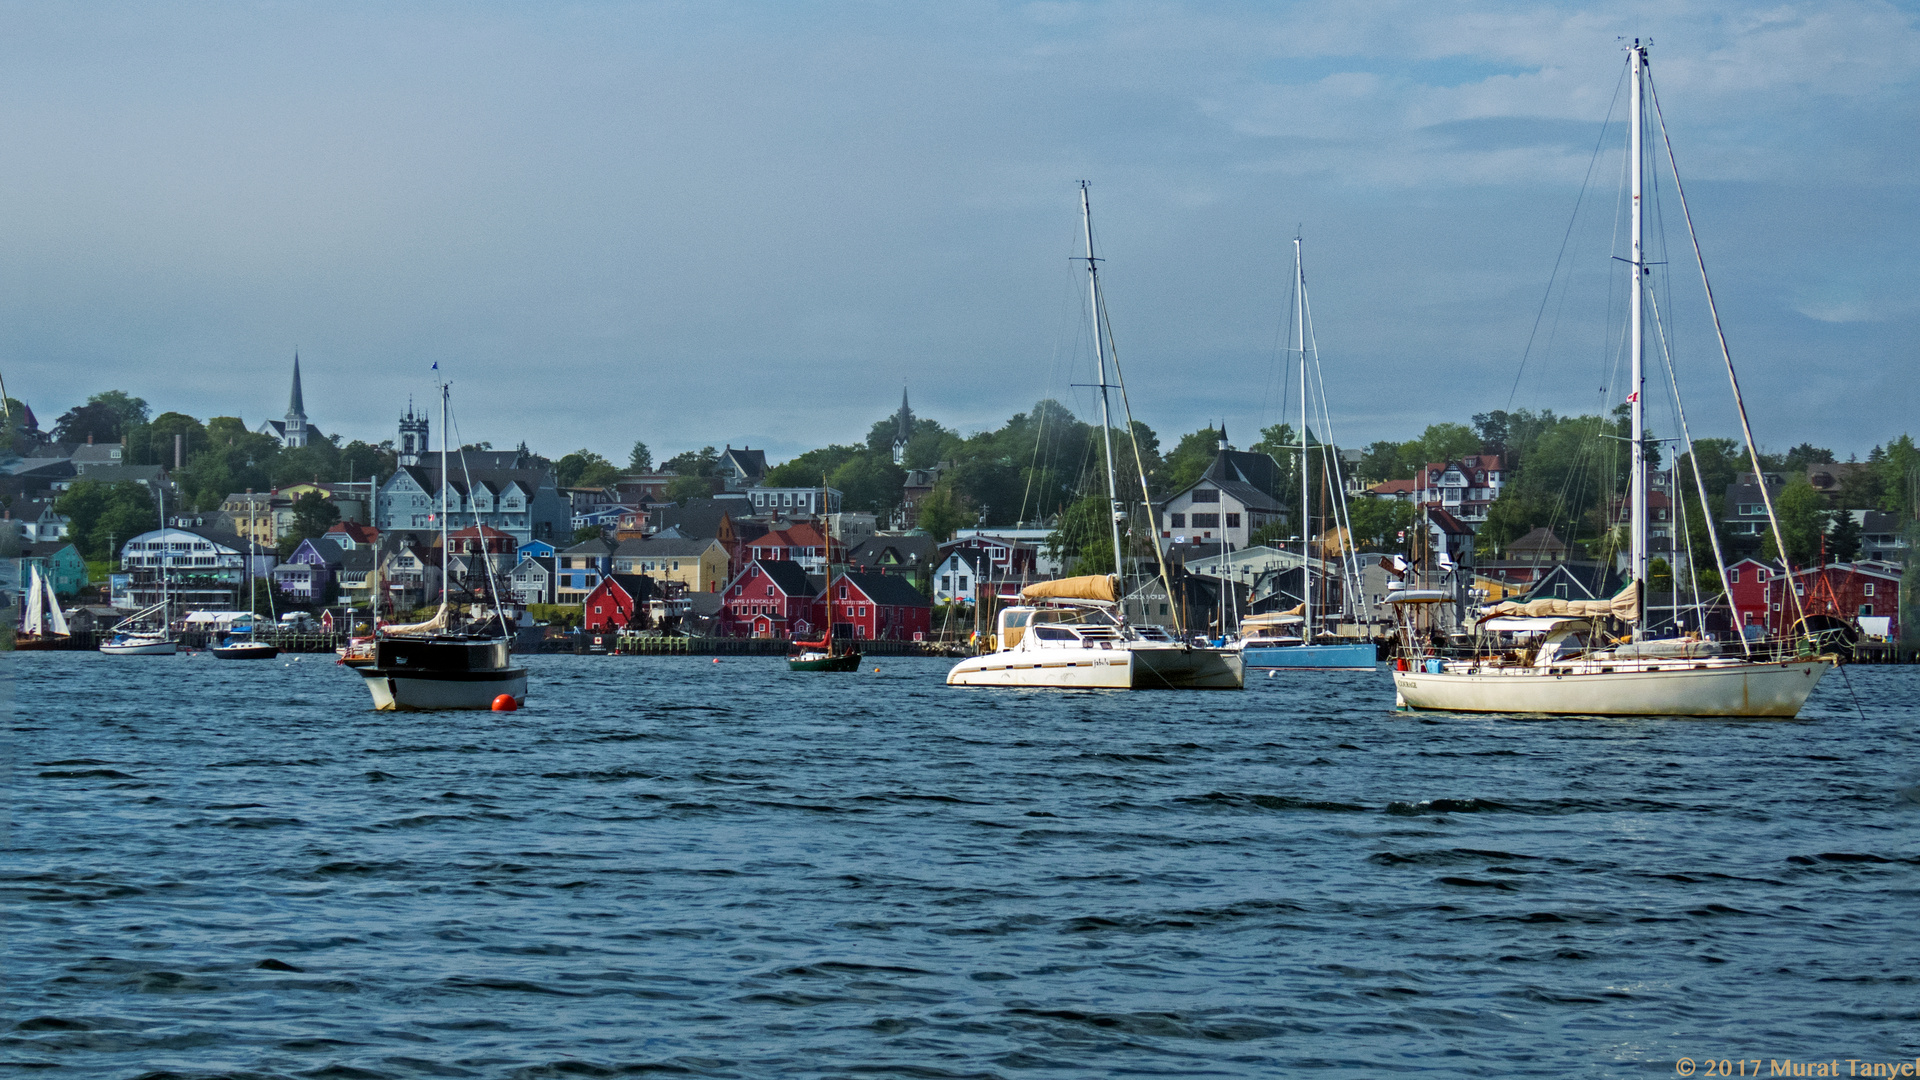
(1102, 587)
(1624, 606)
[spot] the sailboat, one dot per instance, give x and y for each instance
(832, 652)
(1562, 660)
(1072, 633)
(1270, 641)
(42, 626)
(237, 644)
(128, 639)
(433, 665)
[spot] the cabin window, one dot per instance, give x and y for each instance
(1211, 495)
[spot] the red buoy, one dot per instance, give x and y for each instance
(505, 703)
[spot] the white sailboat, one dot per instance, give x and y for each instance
(1072, 633)
(42, 625)
(1564, 662)
(128, 639)
(1265, 641)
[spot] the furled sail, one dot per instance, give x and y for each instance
(1624, 605)
(1101, 587)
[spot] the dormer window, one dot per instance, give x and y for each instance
(1206, 495)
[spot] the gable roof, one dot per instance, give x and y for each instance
(1258, 471)
(873, 550)
(787, 576)
(638, 587)
(890, 589)
(668, 547)
(592, 545)
(701, 517)
(748, 463)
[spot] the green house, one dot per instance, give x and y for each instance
(59, 561)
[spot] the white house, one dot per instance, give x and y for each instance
(519, 502)
(794, 500)
(1237, 496)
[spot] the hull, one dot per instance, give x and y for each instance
(398, 690)
(250, 651)
(1358, 656)
(140, 648)
(1143, 668)
(1777, 690)
(23, 643)
(819, 662)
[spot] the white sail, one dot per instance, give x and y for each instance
(32, 624)
(55, 621)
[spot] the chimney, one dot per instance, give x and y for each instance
(89, 438)
(179, 440)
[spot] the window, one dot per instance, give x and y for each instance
(1179, 521)
(963, 584)
(1206, 521)
(1211, 495)
(863, 611)
(1733, 577)
(1867, 590)
(946, 582)
(843, 592)
(1799, 588)
(1866, 609)
(769, 590)
(1233, 521)
(596, 609)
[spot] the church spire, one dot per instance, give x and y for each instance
(902, 428)
(296, 405)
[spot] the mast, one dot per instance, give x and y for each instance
(446, 481)
(1306, 524)
(1100, 359)
(1637, 480)
(166, 600)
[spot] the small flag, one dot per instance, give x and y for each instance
(1633, 397)
(436, 365)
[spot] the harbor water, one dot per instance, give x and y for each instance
(685, 867)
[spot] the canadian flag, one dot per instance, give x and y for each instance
(1633, 397)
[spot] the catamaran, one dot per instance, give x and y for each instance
(434, 664)
(1558, 656)
(1072, 633)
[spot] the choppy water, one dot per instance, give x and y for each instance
(668, 865)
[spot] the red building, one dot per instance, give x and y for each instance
(771, 598)
(1845, 591)
(881, 606)
(1747, 584)
(619, 602)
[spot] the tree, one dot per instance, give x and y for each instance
(313, 515)
(868, 481)
(1660, 575)
(367, 461)
(1084, 536)
(1806, 454)
(101, 517)
(88, 423)
(22, 428)
(152, 444)
(584, 468)
(684, 488)
(1189, 458)
(1843, 538)
(641, 459)
(1377, 523)
(702, 462)
(1802, 513)
(941, 512)
(131, 411)
(587, 532)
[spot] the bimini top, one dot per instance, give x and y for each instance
(1624, 606)
(1104, 588)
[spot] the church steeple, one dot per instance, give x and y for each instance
(296, 409)
(903, 428)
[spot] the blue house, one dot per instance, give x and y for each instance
(307, 571)
(59, 562)
(537, 549)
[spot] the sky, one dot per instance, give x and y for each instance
(755, 223)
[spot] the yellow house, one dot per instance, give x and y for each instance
(701, 565)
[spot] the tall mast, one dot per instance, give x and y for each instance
(1306, 525)
(1100, 359)
(446, 481)
(1637, 481)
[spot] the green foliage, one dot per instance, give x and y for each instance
(814, 466)
(1802, 513)
(1189, 458)
(1800, 457)
(1843, 538)
(102, 517)
(584, 468)
(1377, 523)
(1571, 470)
(681, 489)
(21, 428)
(1084, 536)
(367, 461)
(1660, 575)
(587, 532)
(640, 460)
(941, 512)
(313, 515)
(702, 462)
(555, 614)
